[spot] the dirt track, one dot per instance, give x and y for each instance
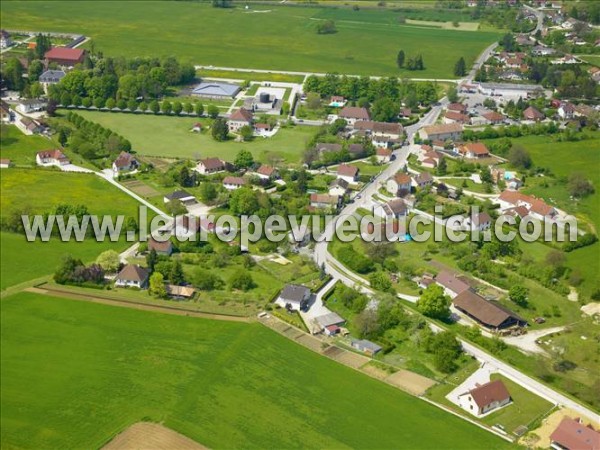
(151, 436)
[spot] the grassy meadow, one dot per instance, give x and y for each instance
(21, 148)
(39, 191)
(171, 137)
(92, 370)
(266, 37)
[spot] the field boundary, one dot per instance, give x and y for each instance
(45, 289)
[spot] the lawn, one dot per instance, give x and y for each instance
(250, 76)
(21, 148)
(171, 137)
(279, 38)
(21, 261)
(41, 190)
(592, 59)
(525, 408)
(92, 370)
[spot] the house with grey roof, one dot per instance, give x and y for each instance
(216, 89)
(50, 77)
(294, 297)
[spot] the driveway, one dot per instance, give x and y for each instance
(480, 376)
(527, 342)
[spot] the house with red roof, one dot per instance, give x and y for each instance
(124, 163)
(536, 207)
(533, 114)
(472, 150)
(240, 118)
(348, 173)
(51, 158)
(65, 56)
(265, 172)
(352, 114)
(399, 185)
(209, 166)
(383, 155)
(572, 434)
(485, 398)
(233, 183)
(456, 117)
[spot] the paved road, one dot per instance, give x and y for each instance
(540, 18)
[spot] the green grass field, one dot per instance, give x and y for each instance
(250, 76)
(171, 137)
(40, 190)
(21, 261)
(20, 148)
(92, 370)
(281, 38)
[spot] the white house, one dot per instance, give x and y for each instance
(233, 183)
(265, 172)
(132, 276)
(51, 158)
(394, 209)
(481, 221)
(124, 163)
(239, 119)
(399, 185)
(348, 173)
(484, 399)
(209, 166)
(294, 297)
(537, 208)
(50, 77)
(383, 155)
(31, 105)
(338, 187)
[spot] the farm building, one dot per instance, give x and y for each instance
(452, 285)
(368, 347)
(64, 56)
(489, 314)
(216, 90)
